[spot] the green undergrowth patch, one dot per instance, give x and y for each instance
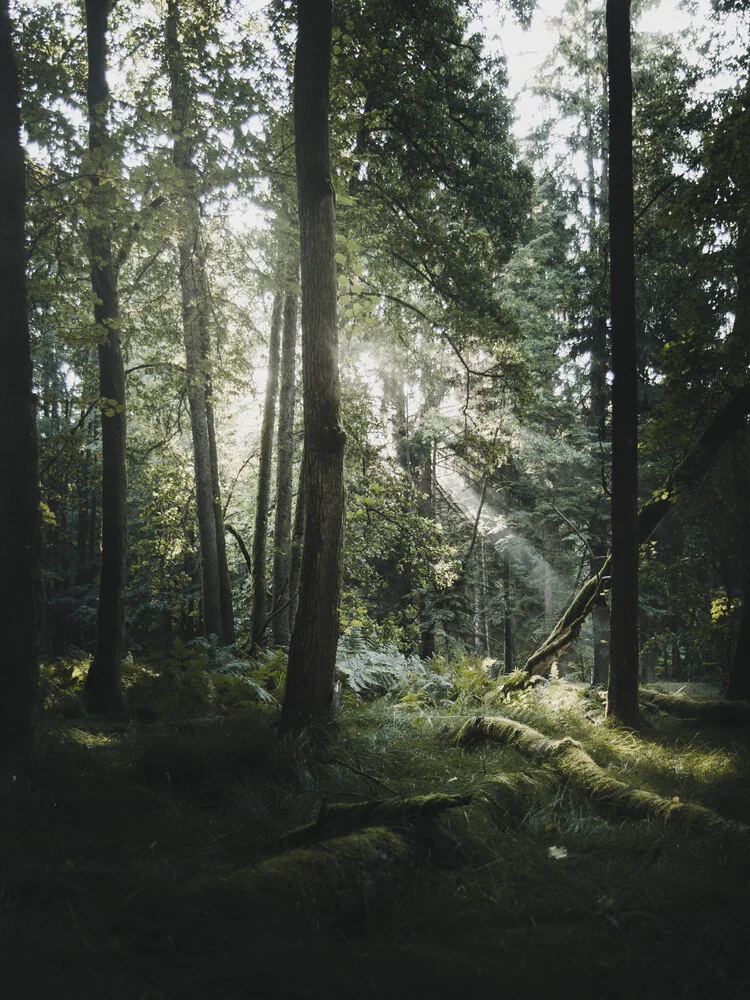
(161, 859)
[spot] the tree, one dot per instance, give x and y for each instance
(283, 595)
(19, 490)
(103, 692)
(312, 647)
(622, 691)
(217, 600)
(265, 461)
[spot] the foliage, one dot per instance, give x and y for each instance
(165, 829)
(411, 683)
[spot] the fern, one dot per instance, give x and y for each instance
(386, 671)
(242, 670)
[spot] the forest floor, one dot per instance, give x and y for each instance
(152, 861)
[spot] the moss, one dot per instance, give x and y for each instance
(721, 713)
(581, 772)
(514, 795)
(332, 884)
(521, 737)
(340, 818)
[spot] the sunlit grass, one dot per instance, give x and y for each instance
(525, 882)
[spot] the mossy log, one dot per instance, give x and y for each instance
(332, 882)
(339, 818)
(720, 713)
(581, 772)
(337, 883)
(567, 630)
(326, 883)
(729, 420)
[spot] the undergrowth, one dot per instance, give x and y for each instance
(129, 861)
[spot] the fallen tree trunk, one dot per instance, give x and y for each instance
(720, 713)
(340, 818)
(726, 423)
(340, 882)
(321, 880)
(568, 758)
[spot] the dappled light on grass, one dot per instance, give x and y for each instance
(188, 851)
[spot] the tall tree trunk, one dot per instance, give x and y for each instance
(508, 651)
(204, 492)
(298, 541)
(598, 525)
(265, 465)
(426, 485)
(622, 692)
(102, 689)
(225, 583)
(195, 324)
(282, 534)
(19, 489)
(312, 649)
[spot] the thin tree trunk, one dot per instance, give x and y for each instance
(83, 532)
(19, 489)
(282, 535)
(225, 583)
(312, 649)
(508, 652)
(102, 689)
(485, 591)
(622, 692)
(598, 526)
(265, 464)
(426, 485)
(194, 319)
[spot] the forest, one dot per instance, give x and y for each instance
(374, 500)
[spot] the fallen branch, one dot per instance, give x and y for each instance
(581, 772)
(726, 423)
(243, 548)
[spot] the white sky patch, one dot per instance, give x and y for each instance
(526, 50)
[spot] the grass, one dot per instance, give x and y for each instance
(146, 862)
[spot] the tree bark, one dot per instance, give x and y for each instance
(508, 652)
(298, 541)
(598, 528)
(195, 326)
(282, 534)
(102, 688)
(426, 485)
(19, 489)
(265, 465)
(738, 683)
(312, 649)
(225, 583)
(243, 548)
(622, 692)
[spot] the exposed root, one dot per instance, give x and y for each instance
(720, 713)
(580, 771)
